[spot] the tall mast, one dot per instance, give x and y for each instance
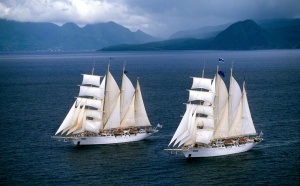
(201, 88)
(216, 113)
(105, 94)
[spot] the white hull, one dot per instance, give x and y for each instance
(216, 151)
(98, 140)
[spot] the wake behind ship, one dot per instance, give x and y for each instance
(216, 122)
(104, 114)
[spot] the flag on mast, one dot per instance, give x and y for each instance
(159, 125)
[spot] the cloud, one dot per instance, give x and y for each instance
(156, 17)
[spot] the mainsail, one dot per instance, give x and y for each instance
(140, 114)
(212, 113)
(103, 106)
(127, 102)
(112, 95)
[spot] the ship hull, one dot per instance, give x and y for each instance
(98, 140)
(217, 151)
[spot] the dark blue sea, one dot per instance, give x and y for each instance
(38, 89)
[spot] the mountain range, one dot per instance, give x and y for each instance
(30, 36)
(110, 36)
(242, 35)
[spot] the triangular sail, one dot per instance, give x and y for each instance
(127, 93)
(112, 93)
(128, 119)
(141, 117)
(221, 109)
(235, 95)
(214, 113)
(236, 127)
(102, 106)
(247, 122)
(74, 119)
(192, 130)
(78, 121)
(114, 119)
(183, 125)
(82, 125)
(67, 121)
(222, 129)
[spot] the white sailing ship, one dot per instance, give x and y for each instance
(104, 114)
(216, 122)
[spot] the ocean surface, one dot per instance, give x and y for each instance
(38, 89)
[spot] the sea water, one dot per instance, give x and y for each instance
(38, 89)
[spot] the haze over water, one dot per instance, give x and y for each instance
(38, 89)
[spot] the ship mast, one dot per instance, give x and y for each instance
(105, 94)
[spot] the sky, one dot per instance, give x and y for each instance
(159, 18)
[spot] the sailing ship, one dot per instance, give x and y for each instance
(104, 114)
(216, 122)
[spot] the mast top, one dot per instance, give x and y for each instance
(93, 69)
(124, 66)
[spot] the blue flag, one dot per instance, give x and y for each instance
(159, 125)
(261, 134)
(221, 60)
(221, 73)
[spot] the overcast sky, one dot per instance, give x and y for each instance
(159, 18)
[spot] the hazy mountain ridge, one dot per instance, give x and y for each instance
(200, 33)
(242, 35)
(29, 36)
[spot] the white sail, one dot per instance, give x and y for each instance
(221, 100)
(192, 130)
(247, 123)
(100, 108)
(206, 123)
(127, 93)
(114, 118)
(183, 125)
(93, 125)
(102, 88)
(78, 121)
(96, 114)
(112, 93)
(74, 119)
(91, 80)
(201, 95)
(182, 138)
(236, 127)
(202, 83)
(187, 135)
(218, 116)
(235, 95)
(90, 91)
(141, 117)
(128, 119)
(204, 136)
(82, 128)
(90, 102)
(207, 110)
(222, 130)
(67, 121)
